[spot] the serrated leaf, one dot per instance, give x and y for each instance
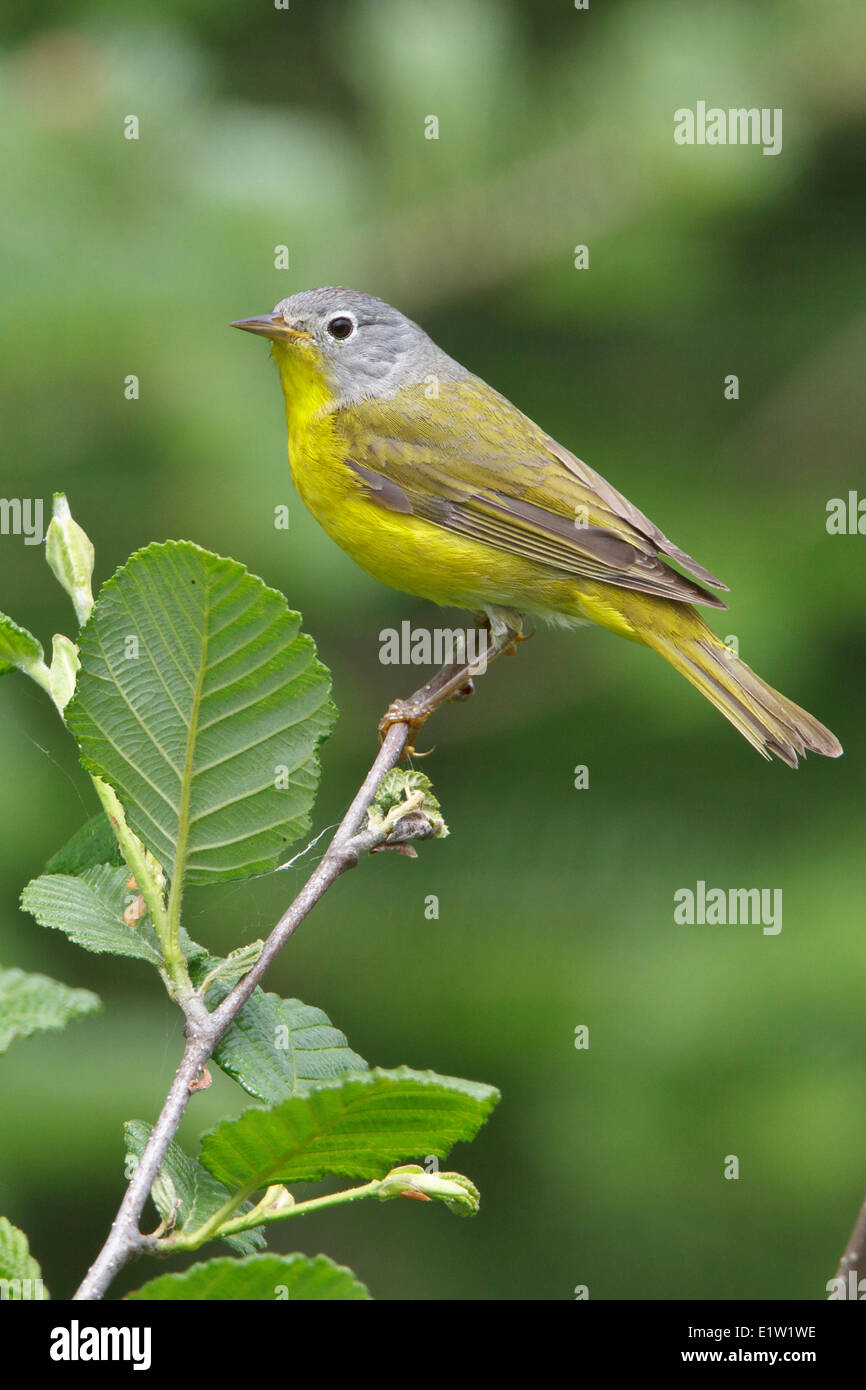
(396, 787)
(93, 844)
(357, 1126)
(32, 1003)
(277, 1047)
(263, 1278)
(20, 1274)
(197, 1193)
(19, 647)
(89, 908)
(196, 690)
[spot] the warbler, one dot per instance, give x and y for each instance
(436, 484)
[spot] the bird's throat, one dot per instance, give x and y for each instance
(305, 389)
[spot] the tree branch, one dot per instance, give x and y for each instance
(204, 1029)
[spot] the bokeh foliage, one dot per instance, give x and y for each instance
(306, 128)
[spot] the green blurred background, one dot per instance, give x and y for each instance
(306, 128)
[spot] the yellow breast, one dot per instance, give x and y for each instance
(403, 551)
(394, 548)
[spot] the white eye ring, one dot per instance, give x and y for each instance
(342, 318)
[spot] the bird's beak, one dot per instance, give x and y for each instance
(271, 326)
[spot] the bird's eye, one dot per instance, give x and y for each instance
(341, 327)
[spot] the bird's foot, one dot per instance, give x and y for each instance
(504, 629)
(412, 712)
(453, 682)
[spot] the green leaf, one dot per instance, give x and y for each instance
(93, 844)
(277, 1047)
(358, 1126)
(89, 908)
(402, 785)
(186, 1195)
(218, 974)
(18, 1267)
(18, 647)
(63, 670)
(30, 1003)
(455, 1190)
(259, 1277)
(203, 706)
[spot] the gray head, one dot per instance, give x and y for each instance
(364, 346)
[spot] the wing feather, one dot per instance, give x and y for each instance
(505, 483)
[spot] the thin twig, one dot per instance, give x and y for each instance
(204, 1030)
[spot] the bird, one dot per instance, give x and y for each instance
(437, 485)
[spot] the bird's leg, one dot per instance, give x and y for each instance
(454, 681)
(505, 628)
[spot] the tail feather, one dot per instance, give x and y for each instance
(771, 723)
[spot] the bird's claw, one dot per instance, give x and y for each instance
(452, 683)
(405, 712)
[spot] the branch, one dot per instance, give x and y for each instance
(854, 1257)
(204, 1030)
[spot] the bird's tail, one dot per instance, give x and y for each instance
(771, 723)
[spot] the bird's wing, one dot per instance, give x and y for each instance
(472, 463)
